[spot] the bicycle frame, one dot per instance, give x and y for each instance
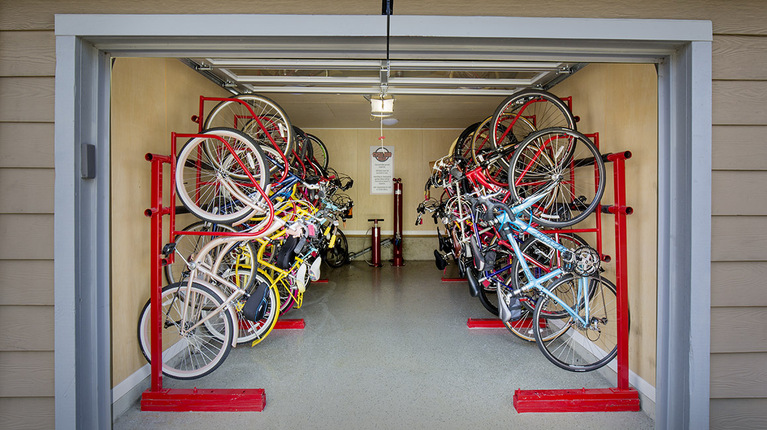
(538, 282)
(199, 266)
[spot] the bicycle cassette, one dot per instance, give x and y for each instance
(587, 261)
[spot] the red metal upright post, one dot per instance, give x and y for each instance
(397, 259)
(623, 397)
(620, 210)
(375, 250)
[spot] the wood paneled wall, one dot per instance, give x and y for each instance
(27, 61)
(619, 102)
(413, 150)
(151, 97)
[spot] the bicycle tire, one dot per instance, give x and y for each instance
(182, 356)
(462, 145)
(204, 164)
(319, 151)
(538, 109)
(338, 255)
(556, 161)
(233, 114)
(582, 349)
(239, 266)
(254, 332)
(188, 245)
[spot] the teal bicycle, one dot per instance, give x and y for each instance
(575, 319)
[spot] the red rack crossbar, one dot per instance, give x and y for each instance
(156, 398)
(622, 398)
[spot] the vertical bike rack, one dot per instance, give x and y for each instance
(622, 397)
(157, 398)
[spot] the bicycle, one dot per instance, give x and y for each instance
(575, 319)
(200, 321)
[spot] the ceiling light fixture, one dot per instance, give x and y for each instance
(382, 106)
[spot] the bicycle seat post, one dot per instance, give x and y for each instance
(376, 244)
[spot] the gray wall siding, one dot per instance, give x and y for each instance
(26, 228)
(739, 266)
(738, 388)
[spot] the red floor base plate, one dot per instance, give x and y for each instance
(580, 400)
(485, 323)
(320, 281)
(453, 279)
(288, 324)
(218, 400)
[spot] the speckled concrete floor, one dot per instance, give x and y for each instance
(388, 348)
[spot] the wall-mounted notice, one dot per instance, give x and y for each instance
(381, 169)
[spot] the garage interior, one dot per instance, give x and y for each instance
(371, 330)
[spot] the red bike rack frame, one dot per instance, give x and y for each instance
(623, 397)
(157, 398)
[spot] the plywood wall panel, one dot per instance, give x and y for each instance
(26, 374)
(27, 53)
(26, 282)
(738, 283)
(17, 322)
(26, 191)
(625, 116)
(151, 97)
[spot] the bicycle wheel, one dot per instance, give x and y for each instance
(463, 144)
(211, 181)
(525, 112)
(187, 245)
(238, 266)
(563, 165)
(583, 347)
(239, 114)
(319, 152)
(198, 352)
(488, 293)
(338, 255)
(256, 331)
(267, 261)
(481, 139)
